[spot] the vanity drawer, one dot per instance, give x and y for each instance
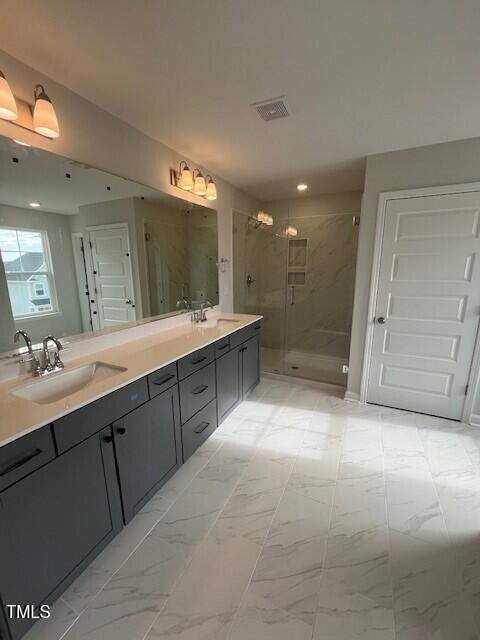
(21, 457)
(196, 391)
(195, 361)
(79, 425)
(222, 346)
(162, 379)
(198, 429)
(242, 335)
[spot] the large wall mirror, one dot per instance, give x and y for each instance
(85, 251)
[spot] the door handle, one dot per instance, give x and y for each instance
(292, 296)
(128, 301)
(381, 320)
(121, 430)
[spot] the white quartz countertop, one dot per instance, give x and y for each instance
(140, 357)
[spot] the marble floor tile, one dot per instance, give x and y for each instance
(304, 517)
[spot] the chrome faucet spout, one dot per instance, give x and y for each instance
(48, 365)
(20, 333)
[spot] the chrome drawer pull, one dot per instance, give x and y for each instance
(199, 360)
(20, 463)
(200, 389)
(201, 427)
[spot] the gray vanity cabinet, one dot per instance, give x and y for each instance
(250, 351)
(229, 382)
(148, 449)
(54, 521)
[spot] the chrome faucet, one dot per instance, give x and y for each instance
(48, 365)
(200, 314)
(183, 301)
(32, 358)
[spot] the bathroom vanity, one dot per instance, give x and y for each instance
(68, 486)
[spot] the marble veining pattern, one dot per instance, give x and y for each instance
(304, 517)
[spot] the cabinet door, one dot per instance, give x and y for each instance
(250, 364)
(54, 522)
(229, 388)
(147, 444)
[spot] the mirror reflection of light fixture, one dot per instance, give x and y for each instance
(44, 117)
(261, 218)
(185, 180)
(199, 184)
(211, 192)
(8, 106)
(291, 231)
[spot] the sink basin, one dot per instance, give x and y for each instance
(60, 385)
(227, 320)
(214, 322)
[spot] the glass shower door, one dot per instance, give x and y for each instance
(320, 276)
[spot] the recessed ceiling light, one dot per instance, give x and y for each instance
(35, 205)
(302, 186)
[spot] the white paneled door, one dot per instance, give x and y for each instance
(428, 303)
(113, 300)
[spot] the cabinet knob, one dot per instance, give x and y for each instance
(121, 430)
(108, 439)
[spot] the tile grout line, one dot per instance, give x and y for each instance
(207, 533)
(249, 582)
(332, 507)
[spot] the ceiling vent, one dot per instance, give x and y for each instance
(271, 109)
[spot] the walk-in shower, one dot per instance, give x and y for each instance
(299, 274)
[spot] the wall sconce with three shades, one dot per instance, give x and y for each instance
(40, 118)
(193, 181)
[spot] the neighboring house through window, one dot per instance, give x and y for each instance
(28, 268)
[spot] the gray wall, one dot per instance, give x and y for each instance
(67, 321)
(434, 165)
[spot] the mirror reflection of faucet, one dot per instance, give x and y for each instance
(250, 280)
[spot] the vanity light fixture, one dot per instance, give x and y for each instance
(261, 218)
(291, 231)
(40, 118)
(44, 117)
(8, 106)
(302, 186)
(193, 181)
(185, 177)
(199, 184)
(211, 193)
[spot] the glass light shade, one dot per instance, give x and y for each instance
(44, 118)
(261, 216)
(211, 191)
(291, 231)
(185, 181)
(268, 219)
(8, 106)
(199, 185)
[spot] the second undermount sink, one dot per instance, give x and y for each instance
(214, 322)
(60, 385)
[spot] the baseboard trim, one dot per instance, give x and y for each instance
(351, 396)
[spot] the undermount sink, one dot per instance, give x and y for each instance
(213, 322)
(60, 385)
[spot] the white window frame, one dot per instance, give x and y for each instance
(48, 272)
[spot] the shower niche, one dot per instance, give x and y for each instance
(297, 261)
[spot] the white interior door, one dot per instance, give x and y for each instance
(428, 301)
(112, 276)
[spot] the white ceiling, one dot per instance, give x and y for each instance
(360, 77)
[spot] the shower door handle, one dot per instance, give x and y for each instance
(292, 296)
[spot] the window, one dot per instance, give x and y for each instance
(26, 260)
